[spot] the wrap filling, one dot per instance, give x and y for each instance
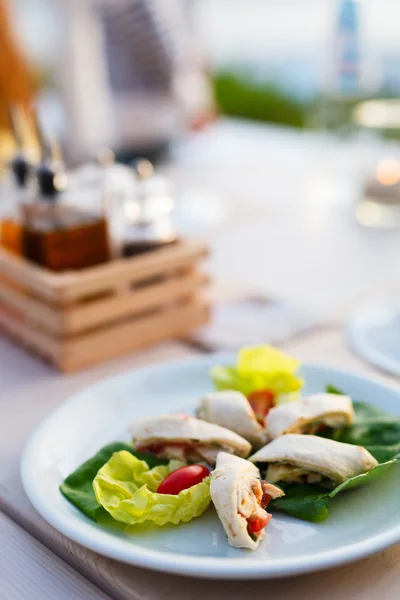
(186, 451)
(288, 473)
(252, 505)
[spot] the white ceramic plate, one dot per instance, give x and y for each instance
(373, 332)
(362, 521)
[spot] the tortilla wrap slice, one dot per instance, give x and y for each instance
(186, 438)
(307, 414)
(232, 410)
(238, 495)
(312, 459)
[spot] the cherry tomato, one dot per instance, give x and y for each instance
(256, 525)
(261, 401)
(182, 479)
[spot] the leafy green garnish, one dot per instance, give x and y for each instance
(259, 368)
(377, 431)
(331, 389)
(307, 502)
(385, 453)
(311, 502)
(372, 427)
(127, 489)
(78, 487)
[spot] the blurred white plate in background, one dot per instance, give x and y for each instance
(373, 332)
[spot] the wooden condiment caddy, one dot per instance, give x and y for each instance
(76, 319)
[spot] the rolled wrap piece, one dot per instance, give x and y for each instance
(307, 414)
(232, 410)
(296, 458)
(186, 438)
(239, 496)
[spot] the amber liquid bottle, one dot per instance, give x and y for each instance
(11, 225)
(58, 236)
(11, 235)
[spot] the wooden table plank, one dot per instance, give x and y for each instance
(375, 578)
(27, 399)
(29, 570)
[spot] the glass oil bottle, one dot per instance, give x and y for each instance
(11, 223)
(56, 234)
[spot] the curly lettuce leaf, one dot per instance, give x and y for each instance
(265, 359)
(311, 502)
(260, 368)
(127, 489)
(78, 487)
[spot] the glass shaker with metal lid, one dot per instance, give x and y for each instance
(148, 220)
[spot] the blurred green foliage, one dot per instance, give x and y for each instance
(239, 96)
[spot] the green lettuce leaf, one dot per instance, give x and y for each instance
(364, 478)
(331, 389)
(385, 453)
(311, 502)
(377, 431)
(78, 487)
(260, 368)
(127, 489)
(307, 502)
(372, 427)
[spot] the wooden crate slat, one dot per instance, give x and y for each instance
(31, 309)
(105, 277)
(131, 336)
(101, 312)
(70, 286)
(42, 282)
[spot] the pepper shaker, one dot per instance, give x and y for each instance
(148, 220)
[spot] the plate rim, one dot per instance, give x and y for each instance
(181, 564)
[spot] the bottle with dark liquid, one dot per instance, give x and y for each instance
(59, 236)
(11, 224)
(150, 225)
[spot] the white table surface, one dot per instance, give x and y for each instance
(282, 203)
(253, 221)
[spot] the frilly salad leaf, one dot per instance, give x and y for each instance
(78, 487)
(377, 431)
(260, 368)
(127, 489)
